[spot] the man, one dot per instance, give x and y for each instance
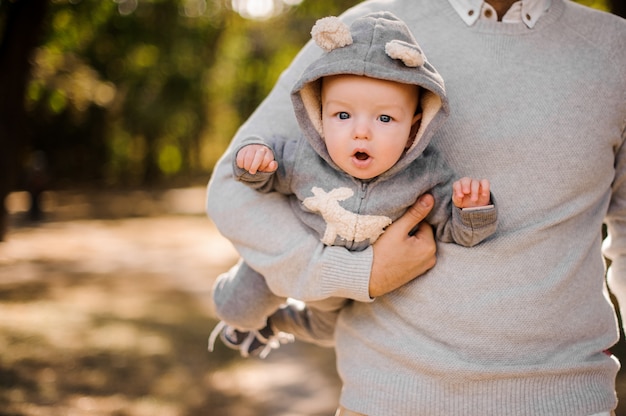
(519, 324)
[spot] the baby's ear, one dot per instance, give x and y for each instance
(331, 33)
(409, 54)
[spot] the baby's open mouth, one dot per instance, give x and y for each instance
(361, 155)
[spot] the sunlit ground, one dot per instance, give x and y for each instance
(111, 317)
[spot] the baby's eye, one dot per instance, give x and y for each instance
(343, 115)
(384, 118)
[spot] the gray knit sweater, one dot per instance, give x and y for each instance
(519, 324)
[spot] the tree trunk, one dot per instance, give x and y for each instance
(23, 23)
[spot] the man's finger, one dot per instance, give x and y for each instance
(417, 212)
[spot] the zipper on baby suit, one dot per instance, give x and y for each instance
(362, 195)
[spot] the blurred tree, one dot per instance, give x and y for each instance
(122, 84)
(20, 25)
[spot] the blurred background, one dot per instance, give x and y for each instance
(112, 116)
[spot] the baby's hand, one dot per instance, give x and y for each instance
(468, 193)
(256, 157)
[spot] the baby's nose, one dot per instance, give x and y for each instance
(362, 130)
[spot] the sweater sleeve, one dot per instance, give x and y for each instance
(263, 227)
(284, 152)
(472, 226)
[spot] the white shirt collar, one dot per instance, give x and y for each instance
(527, 11)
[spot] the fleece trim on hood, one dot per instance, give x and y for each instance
(378, 45)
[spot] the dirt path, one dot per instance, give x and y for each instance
(110, 317)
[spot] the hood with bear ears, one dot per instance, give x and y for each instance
(378, 45)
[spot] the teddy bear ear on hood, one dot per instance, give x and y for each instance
(409, 54)
(331, 33)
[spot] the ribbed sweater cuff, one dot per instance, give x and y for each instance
(479, 218)
(576, 394)
(346, 274)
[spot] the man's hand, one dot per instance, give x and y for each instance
(400, 257)
(256, 158)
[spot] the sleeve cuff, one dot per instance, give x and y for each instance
(347, 274)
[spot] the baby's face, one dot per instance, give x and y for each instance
(367, 122)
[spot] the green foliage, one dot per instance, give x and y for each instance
(134, 92)
(135, 79)
(603, 5)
